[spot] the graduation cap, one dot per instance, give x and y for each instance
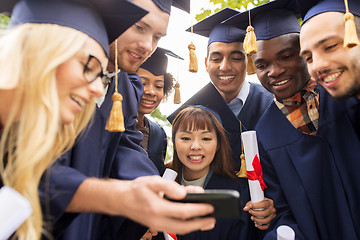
(350, 37)
(165, 5)
(265, 22)
(269, 20)
(157, 63)
(104, 20)
(210, 27)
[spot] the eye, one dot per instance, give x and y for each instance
(185, 138)
(157, 38)
(160, 87)
(330, 47)
(287, 57)
(307, 59)
(260, 66)
(215, 60)
(138, 27)
(207, 139)
(144, 83)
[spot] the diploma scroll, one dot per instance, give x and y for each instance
(253, 167)
(285, 233)
(14, 210)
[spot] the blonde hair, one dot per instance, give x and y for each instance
(33, 136)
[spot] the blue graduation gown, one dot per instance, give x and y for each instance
(100, 154)
(313, 180)
(256, 103)
(157, 146)
(228, 229)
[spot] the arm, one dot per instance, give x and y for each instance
(116, 197)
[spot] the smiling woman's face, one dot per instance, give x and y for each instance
(73, 89)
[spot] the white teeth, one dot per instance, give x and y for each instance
(281, 83)
(78, 100)
(195, 157)
(331, 77)
(147, 101)
(224, 78)
(134, 55)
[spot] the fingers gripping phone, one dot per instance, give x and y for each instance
(227, 203)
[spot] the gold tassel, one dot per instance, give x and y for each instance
(250, 66)
(193, 66)
(177, 98)
(242, 172)
(250, 46)
(115, 122)
(350, 38)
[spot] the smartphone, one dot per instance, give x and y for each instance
(226, 202)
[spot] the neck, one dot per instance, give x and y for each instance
(7, 97)
(110, 67)
(140, 120)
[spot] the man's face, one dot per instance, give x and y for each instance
(336, 68)
(137, 43)
(226, 65)
(279, 67)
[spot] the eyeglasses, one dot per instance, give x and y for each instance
(93, 69)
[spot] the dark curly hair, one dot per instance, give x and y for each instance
(168, 84)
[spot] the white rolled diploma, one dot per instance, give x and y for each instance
(14, 210)
(250, 150)
(285, 233)
(169, 174)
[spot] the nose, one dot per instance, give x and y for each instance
(149, 90)
(276, 70)
(225, 65)
(146, 44)
(96, 88)
(318, 65)
(195, 145)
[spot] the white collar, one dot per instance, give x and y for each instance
(243, 93)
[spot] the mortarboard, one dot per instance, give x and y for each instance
(210, 27)
(165, 5)
(343, 6)
(158, 61)
(331, 6)
(269, 20)
(103, 21)
(216, 115)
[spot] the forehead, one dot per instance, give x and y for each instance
(276, 45)
(318, 27)
(225, 48)
(145, 73)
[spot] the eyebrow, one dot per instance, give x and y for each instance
(149, 26)
(322, 41)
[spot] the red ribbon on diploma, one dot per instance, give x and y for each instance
(257, 173)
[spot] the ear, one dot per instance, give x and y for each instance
(206, 63)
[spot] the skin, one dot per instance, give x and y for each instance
(73, 89)
(153, 93)
(279, 67)
(226, 65)
(137, 43)
(123, 198)
(196, 150)
(336, 68)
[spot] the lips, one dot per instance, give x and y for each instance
(78, 100)
(281, 82)
(196, 158)
(331, 77)
(134, 56)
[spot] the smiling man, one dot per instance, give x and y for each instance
(237, 101)
(306, 139)
(334, 66)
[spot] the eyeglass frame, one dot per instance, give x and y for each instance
(101, 74)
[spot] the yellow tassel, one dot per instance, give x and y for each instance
(250, 66)
(350, 38)
(242, 172)
(193, 66)
(177, 98)
(115, 122)
(250, 46)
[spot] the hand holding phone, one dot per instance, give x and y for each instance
(227, 203)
